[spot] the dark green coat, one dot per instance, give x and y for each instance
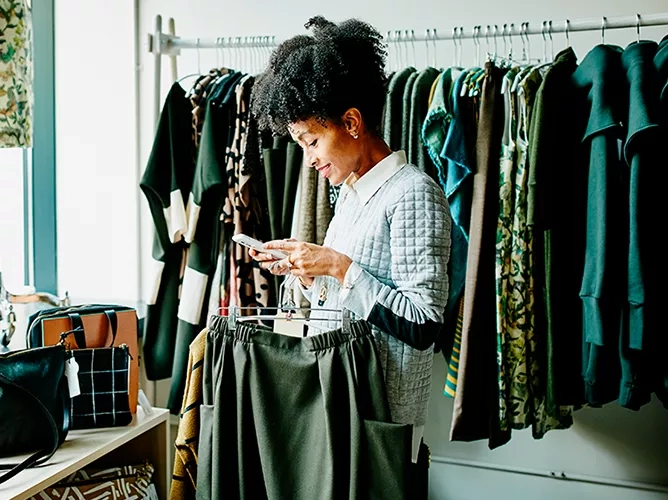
(601, 87)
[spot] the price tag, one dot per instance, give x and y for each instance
(71, 372)
(286, 326)
(145, 403)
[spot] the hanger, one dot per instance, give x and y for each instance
(286, 311)
(604, 24)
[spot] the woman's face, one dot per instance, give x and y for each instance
(329, 148)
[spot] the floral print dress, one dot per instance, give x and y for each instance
(16, 97)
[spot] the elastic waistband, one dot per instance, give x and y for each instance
(256, 334)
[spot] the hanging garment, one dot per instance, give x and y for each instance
(661, 64)
(406, 112)
(166, 183)
(476, 408)
(540, 418)
(394, 105)
(559, 230)
(241, 210)
(416, 153)
(599, 81)
(450, 387)
(432, 92)
(436, 123)
(198, 96)
(456, 154)
(16, 75)
(297, 418)
(646, 271)
(504, 236)
(184, 478)
(205, 203)
(316, 209)
(274, 156)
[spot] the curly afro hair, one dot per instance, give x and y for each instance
(340, 66)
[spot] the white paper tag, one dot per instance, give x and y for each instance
(152, 492)
(71, 372)
(144, 403)
(287, 327)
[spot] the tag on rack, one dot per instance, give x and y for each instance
(284, 325)
(71, 372)
(144, 403)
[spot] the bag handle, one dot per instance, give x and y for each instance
(41, 456)
(80, 334)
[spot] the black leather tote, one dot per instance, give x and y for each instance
(34, 406)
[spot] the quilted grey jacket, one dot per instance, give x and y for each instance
(394, 223)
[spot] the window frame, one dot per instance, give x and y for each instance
(40, 209)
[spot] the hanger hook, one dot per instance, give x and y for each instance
(434, 37)
(477, 45)
(461, 45)
(638, 26)
(454, 42)
(199, 67)
(487, 30)
(604, 23)
(505, 42)
(567, 31)
(524, 45)
(496, 33)
(413, 46)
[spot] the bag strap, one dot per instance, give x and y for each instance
(41, 456)
(80, 334)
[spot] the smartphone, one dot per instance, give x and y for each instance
(249, 242)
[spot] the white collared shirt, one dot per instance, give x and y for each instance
(367, 185)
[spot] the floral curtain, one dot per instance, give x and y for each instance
(16, 92)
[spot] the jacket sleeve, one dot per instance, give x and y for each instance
(411, 307)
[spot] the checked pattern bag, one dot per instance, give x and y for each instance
(104, 384)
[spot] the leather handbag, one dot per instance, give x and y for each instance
(34, 406)
(100, 324)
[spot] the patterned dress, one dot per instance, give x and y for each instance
(16, 93)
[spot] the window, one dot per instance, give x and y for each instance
(12, 219)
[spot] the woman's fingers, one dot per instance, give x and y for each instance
(262, 257)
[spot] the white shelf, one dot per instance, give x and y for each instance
(147, 437)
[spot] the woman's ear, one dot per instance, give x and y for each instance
(352, 120)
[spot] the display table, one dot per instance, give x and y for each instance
(146, 438)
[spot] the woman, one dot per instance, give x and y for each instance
(387, 248)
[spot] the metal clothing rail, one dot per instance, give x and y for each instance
(168, 44)
(171, 45)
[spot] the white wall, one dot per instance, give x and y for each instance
(97, 204)
(96, 149)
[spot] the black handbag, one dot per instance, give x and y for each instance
(104, 381)
(34, 406)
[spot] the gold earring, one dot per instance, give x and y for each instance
(354, 136)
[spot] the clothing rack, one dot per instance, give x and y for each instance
(168, 44)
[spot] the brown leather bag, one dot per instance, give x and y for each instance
(99, 326)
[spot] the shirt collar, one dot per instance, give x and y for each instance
(367, 185)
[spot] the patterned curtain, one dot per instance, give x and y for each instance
(16, 92)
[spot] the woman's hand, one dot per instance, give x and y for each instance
(278, 267)
(306, 260)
